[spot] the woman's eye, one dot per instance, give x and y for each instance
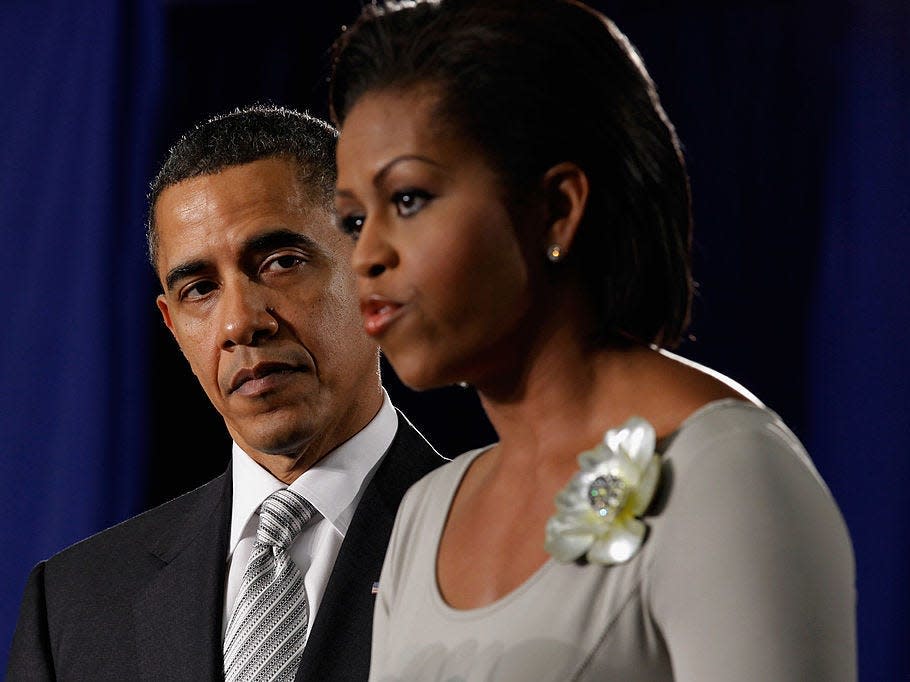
(198, 290)
(351, 224)
(409, 202)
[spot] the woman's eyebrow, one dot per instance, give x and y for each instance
(380, 175)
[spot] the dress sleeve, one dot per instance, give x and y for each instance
(753, 575)
(30, 655)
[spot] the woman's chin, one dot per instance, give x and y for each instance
(420, 374)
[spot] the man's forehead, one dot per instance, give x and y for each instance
(224, 211)
(266, 184)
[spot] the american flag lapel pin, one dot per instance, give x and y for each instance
(375, 589)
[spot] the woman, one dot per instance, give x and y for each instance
(522, 215)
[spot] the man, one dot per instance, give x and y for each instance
(258, 293)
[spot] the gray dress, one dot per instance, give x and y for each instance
(746, 575)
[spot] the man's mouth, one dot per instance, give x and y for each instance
(261, 377)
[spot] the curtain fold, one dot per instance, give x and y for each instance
(79, 85)
(859, 330)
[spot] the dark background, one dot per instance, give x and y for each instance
(797, 133)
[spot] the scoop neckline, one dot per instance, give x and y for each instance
(502, 602)
(513, 595)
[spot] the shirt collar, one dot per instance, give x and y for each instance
(334, 485)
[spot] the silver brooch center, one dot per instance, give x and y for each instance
(607, 494)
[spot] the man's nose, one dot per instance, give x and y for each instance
(374, 252)
(246, 317)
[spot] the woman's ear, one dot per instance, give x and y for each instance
(565, 187)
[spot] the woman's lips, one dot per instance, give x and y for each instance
(379, 313)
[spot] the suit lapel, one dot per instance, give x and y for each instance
(178, 613)
(338, 647)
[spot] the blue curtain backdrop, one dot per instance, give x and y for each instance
(78, 91)
(796, 126)
(859, 331)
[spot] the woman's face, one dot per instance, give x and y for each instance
(442, 273)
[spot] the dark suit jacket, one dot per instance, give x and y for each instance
(143, 600)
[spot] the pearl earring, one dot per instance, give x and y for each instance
(554, 253)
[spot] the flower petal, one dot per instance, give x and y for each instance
(640, 500)
(624, 468)
(592, 460)
(567, 522)
(636, 438)
(571, 500)
(620, 545)
(567, 546)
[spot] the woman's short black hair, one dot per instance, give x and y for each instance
(535, 83)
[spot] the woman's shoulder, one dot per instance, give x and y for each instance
(734, 426)
(735, 465)
(728, 439)
(727, 416)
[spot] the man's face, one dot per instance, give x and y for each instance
(261, 300)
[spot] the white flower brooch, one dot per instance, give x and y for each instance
(596, 511)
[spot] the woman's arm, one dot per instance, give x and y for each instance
(753, 578)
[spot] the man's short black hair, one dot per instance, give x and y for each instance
(243, 136)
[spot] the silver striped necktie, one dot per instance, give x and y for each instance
(266, 632)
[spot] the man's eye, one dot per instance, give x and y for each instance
(284, 261)
(410, 201)
(351, 224)
(198, 290)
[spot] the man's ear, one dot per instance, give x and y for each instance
(566, 190)
(166, 314)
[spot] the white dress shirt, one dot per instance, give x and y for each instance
(334, 486)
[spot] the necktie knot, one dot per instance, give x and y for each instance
(282, 516)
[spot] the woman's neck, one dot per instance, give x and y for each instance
(562, 397)
(566, 396)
